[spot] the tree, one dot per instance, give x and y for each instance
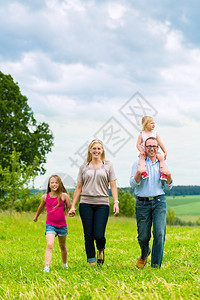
(18, 128)
(15, 180)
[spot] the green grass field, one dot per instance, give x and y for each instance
(186, 207)
(22, 247)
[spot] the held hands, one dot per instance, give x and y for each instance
(72, 212)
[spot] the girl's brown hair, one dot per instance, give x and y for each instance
(89, 156)
(61, 189)
(145, 121)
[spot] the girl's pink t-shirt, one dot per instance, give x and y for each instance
(55, 217)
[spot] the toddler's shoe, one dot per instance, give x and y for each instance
(65, 266)
(163, 177)
(46, 269)
(145, 175)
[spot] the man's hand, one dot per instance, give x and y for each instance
(169, 177)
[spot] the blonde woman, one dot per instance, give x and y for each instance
(93, 182)
(148, 130)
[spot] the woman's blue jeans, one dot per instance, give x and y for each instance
(148, 213)
(94, 219)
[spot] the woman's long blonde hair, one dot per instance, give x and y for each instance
(61, 189)
(89, 156)
(145, 121)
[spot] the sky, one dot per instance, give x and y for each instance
(92, 69)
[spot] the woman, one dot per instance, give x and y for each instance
(93, 186)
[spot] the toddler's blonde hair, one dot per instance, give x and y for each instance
(145, 121)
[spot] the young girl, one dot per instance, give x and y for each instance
(56, 198)
(148, 130)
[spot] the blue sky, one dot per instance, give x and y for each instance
(88, 68)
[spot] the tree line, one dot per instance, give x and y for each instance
(184, 190)
(180, 190)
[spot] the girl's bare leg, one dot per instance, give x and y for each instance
(50, 238)
(63, 248)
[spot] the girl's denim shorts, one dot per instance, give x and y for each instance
(60, 231)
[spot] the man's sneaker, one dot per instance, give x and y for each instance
(142, 262)
(163, 177)
(65, 266)
(145, 175)
(46, 269)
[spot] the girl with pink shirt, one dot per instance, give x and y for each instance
(55, 199)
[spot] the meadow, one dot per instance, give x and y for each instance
(22, 247)
(186, 207)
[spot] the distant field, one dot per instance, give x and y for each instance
(185, 205)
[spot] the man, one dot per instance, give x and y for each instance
(150, 206)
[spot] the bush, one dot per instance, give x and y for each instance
(198, 221)
(171, 218)
(30, 203)
(126, 203)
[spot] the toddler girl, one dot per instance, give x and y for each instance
(148, 130)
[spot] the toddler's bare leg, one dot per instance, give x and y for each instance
(142, 165)
(163, 168)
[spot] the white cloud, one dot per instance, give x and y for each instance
(174, 41)
(78, 62)
(116, 14)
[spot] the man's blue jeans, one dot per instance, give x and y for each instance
(94, 219)
(148, 213)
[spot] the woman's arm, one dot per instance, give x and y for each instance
(40, 208)
(114, 192)
(160, 143)
(77, 194)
